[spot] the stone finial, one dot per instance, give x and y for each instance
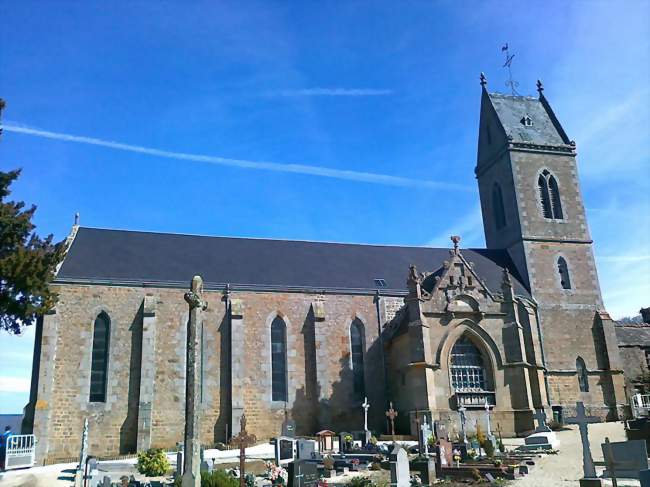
(76, 219)
(456, 240)
(506, 281)
(540, 87)
(413, 278)
(483, 79)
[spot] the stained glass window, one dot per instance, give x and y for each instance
(278, 360)
(99, 358)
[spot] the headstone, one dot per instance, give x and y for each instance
(284, 450)
(207, 465)
(540, 416)
(192, 445)
(179, 463)
(542, 441)
(399, 468)
(303, 474)
(242, 440)
(306, 449)
(345, 445)
(624, 458)
(644, 477)
(391, 414)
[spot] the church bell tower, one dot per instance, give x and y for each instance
(532, 207)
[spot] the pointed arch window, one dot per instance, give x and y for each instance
(563, 270)
(497, 207)
(583, 378)
(469, 375)
(357, 340)
(99, 358)
(278, 360)
(549, 196)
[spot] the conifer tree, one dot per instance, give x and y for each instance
(27, 262)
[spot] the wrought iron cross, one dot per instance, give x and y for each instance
(511, 83)
(243, 440)
(392, 414)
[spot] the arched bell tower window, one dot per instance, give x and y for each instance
(583, 378)
(549, 196)
(497, 207)
(99, 358)
(469, 374)
(357, 339)
(278, 360)
(563, 270)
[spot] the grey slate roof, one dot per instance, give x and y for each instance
(131, 257)
(633, 335)
(511, 109)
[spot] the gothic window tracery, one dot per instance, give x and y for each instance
(583, 378)
(549, 196)
(278, 360)
(468, 372)
(563, 271)
(99, 358)
(356, 351)
(497, 207)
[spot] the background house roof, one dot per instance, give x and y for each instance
(122, 257)
(630, 335)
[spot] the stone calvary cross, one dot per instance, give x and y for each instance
(243, 440)
(192, 445)
(365, 406)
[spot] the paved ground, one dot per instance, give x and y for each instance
(565, 468)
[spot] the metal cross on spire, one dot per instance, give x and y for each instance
(511, 83)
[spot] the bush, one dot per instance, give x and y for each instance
(359, 482)
(218, 478)
(152, 463)
(480, 436)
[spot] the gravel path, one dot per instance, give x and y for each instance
(565, 468)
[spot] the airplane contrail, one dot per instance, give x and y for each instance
(366, 177)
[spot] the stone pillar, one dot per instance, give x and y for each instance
(192, 445)
(237, 364)
(147, 372)
(44, 405)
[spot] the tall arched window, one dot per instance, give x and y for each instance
(497, 207)
(583, 378)
(357, 339)
(99, 358)
(549, 195)
(468, 372)
(278, 360)
(563, 270)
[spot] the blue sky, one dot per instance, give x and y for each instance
(349, 88)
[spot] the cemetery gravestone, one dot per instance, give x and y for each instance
(624, 458)
(399, 468)
(345, 441)
(306, 449)
(366, 406)
(284, 450)
(391, 414)
(590, 479)
(303, 474)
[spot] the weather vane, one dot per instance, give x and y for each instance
(511, 83)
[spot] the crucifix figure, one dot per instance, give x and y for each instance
(461, 412)
(391, 414)
(192, 445)
(424, 433)
(243, 440)
(487, 414)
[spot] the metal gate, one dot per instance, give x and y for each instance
(20, 451)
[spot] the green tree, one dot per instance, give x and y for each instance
(27, 262)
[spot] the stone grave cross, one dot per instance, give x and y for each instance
(425, 432)
(582, 421)
(243, 440)
(391, 414)
(365, 406)
(463, 420)
(540, 416)
(83, 452)
(192, 445)
(487, 415)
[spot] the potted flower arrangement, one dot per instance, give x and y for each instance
(276, 474)
(497, 462)
(456, 456)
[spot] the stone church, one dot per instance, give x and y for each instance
(307, 330)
